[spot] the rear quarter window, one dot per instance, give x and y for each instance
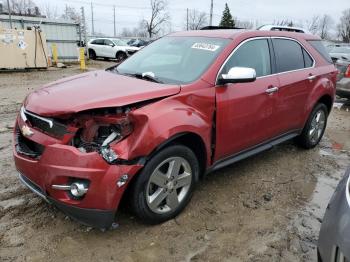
(321, 49)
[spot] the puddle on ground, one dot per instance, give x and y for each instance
(306, 224)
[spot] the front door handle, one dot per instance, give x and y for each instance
(311, 78)
(271, 90)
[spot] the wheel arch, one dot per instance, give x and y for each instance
(120, 51)
(192, 141)
(327, 100)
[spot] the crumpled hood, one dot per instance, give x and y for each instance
(98, 89)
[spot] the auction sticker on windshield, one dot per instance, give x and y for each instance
(205, 46)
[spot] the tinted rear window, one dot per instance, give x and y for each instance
(318, 45)
(289, 55)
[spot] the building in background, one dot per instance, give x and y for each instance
(65, 34)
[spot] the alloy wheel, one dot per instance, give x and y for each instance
(317, 126)
(168, 185)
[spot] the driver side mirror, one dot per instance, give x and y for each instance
(112, 45)
(238, 75)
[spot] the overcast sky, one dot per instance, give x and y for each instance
(130, 12)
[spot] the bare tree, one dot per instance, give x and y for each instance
(325, 25)
(244, 24)
(159, 16)
(284, 23)
(196, 19)
(71, 14)
(313, 25)
(50, 11)
(22, 7)
(344, 26)
(135, 32)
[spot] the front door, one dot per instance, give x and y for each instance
(244, 116)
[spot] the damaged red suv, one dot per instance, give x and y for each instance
(187, 104)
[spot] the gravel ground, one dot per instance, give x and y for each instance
(266, 208)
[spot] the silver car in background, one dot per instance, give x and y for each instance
(334, 239)
(343, 78)
(339, 52)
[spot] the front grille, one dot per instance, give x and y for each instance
(46, 125)
(27, 147)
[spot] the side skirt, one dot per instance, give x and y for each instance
(253, 150)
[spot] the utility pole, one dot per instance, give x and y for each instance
(211, 13)
(187, 19)
(92, 20)
(115, 33)
(83, 28)
(9, 8)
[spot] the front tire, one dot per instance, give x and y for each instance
(165, 185)
(315, 127)
(120, 56)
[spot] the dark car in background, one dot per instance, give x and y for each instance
(334, 239)
(137, 42)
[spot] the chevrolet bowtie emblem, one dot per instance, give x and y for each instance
(26, 131)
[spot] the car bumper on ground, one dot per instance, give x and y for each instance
(334, 239)
(62, 165)
(343, 87)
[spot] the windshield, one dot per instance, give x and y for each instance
(119, 42)
(175, 60)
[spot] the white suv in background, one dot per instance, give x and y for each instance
(110, 48)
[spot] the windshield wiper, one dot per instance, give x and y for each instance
(146, 76)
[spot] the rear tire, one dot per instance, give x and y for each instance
(92, 54)
(314, 127)
(165, 185)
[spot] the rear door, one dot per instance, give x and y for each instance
(296, 74)
(245, 110)
(97, 46)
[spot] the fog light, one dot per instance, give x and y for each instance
(78, 189)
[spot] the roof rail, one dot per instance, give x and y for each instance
(212, 27)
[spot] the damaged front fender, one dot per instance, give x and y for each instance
(156, 123)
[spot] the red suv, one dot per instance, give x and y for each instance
(187, 104)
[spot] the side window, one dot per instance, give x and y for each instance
(289, 55)
(308, 62)
(97, 42)
(254, 54)
(108, 42)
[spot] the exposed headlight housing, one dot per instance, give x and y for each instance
(100, 133)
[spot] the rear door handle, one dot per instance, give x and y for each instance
(271, 90)
(311, 77)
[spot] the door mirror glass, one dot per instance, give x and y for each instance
(238, 75)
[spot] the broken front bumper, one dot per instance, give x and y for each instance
(60, 165)
(90, 217)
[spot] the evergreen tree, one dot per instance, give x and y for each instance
(227, 19)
